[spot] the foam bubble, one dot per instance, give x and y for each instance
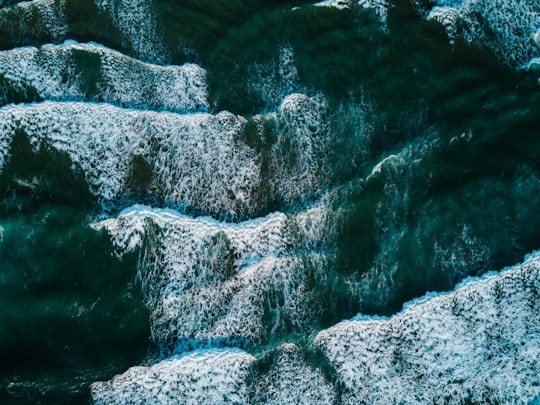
(135, 19)
(201, 377)
(379, 6)
(183, 236)
(191, 160)
(235, 312)
(477, 344)
(209, 282)
(292, 380)
(54, 71)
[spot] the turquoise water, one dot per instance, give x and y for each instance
(206, 189)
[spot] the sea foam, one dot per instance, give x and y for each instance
(291, 379)
(379, 7)
(201, 377)
(506, 28)
(213, 283)
(276, 80)
(191, 160)
(74, 71)
(188, 161)
(299, 169)
(476, 344)
(35, 18)
(136, 20)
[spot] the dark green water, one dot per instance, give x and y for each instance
(457, 193)
(71, 312)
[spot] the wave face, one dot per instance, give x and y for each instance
(263, 203)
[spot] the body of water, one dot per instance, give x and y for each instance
(269, 202)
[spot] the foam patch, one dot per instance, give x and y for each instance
(212, 283)
(450, 18)
(276, 80)
(61, 72)
(37, 17)
(186, 160)
(292, 380)
(201, 377)
(195, 161)
(135, 19)
(339, 4)
(379, 7)
(298, 167)
(506, 28)
(478, 344)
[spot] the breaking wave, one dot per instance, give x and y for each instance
(74, 71)
(476, 344)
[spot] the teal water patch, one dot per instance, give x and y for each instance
(430, 215)
(71, 311)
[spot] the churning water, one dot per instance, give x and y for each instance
(269, 202)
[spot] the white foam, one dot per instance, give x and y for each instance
(251, 240)
(136, 21)
(505, 27)
(201, 377)
(235, 312)
(291, 380)
(339, 4)
(53, 71)
(50, 20)
(299, 168)
(449, 18)
(389, 160)
(209, 282)
(195, 159)
(380, 7)
(533, 65)
(477, 344)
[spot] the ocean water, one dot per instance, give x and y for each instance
(258, 202)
